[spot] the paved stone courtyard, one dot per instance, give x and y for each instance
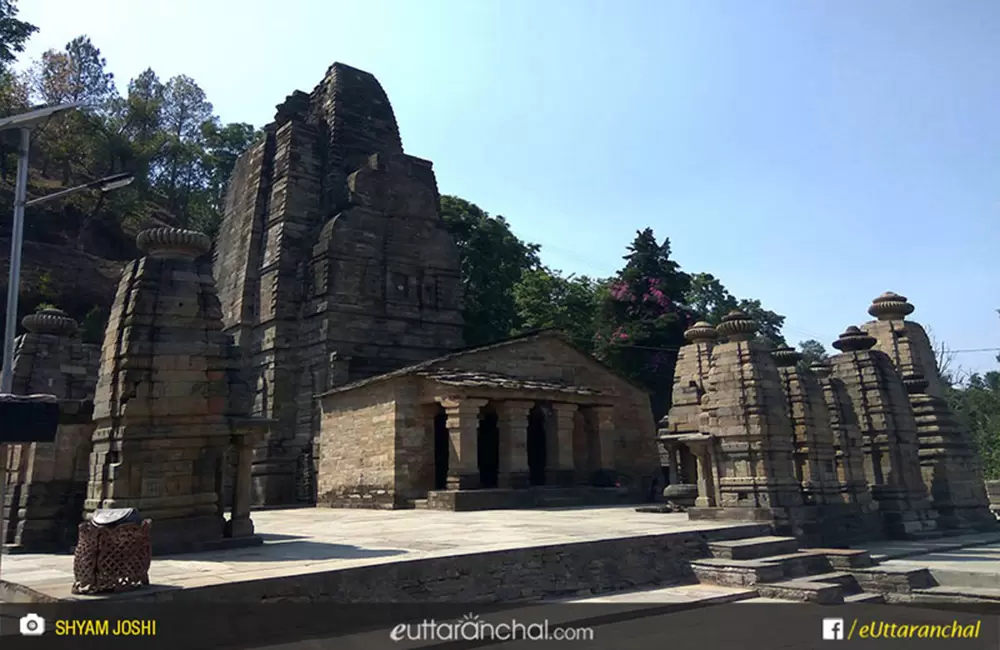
(307, 540)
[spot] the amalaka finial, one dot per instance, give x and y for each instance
(173, 243)
(700, 332)
(737, 326)
(49, 321)
(854, 340)
(890, 306)
(785, 356)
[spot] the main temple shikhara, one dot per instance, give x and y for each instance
(313, 354)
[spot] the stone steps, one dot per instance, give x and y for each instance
(951, 594)
(847, 558)
(896, 580)
(752, 548)
(808, 591)
(775, 568)
(865, 597)
(846, 580)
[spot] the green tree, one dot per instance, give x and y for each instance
(493, 262)
(76, 74)
(710, 300)
(182, 174)
(977, 405)
(641, 318)
(14, 33)
(546, 299)
(223, 145)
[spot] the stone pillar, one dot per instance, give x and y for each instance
(889, 433)
(949, 462)
(246, 434)
(513, 424)
(948, 457)
(607, 443)
(707, 488)
(163, 405)
(814, 456)
(743, 410)
(561, 470)
(463, 427)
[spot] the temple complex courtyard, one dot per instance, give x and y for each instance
(313, 540)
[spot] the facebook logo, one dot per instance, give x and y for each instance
(833, 629)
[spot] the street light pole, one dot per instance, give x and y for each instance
(14, 277)
(24, 123)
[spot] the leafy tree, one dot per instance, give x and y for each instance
(710, 300)
(546, 299)
(493, 262)
(977, 404)
(14, 33)
(813, 351)
(641, 317)
(223, 145)
(76, 74)
(185, 109)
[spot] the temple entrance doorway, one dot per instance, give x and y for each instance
(537, 450)
(442, 449)
(489, 448)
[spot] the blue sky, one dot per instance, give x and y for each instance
(811, 154)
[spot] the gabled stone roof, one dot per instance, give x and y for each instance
(437, 370)
(474, 379)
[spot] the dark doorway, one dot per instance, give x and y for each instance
(488, 448)
(536, 446)
(442, 449)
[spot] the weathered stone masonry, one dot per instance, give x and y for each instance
(332, 265)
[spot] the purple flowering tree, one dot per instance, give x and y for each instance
(641, 318)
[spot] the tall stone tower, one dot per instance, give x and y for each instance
(332, 265)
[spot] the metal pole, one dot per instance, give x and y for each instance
(14, 279)
(13, 289)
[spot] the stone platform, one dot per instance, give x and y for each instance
(324, 555)
(536, 497)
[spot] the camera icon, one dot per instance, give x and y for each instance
(32, 625)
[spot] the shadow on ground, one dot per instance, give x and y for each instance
(290, 551)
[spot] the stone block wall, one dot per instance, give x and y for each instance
(357, 463)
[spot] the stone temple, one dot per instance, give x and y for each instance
(857, 448)
(333, 267)
(314, 354)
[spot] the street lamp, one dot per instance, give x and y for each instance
(25, 123)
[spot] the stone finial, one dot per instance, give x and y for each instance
(785, 356)
(890, 306)
(915, 383)
(820, 368)
(173, 243)
(49, 321)
(737, 326)
(700, 332)
(854, 340)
